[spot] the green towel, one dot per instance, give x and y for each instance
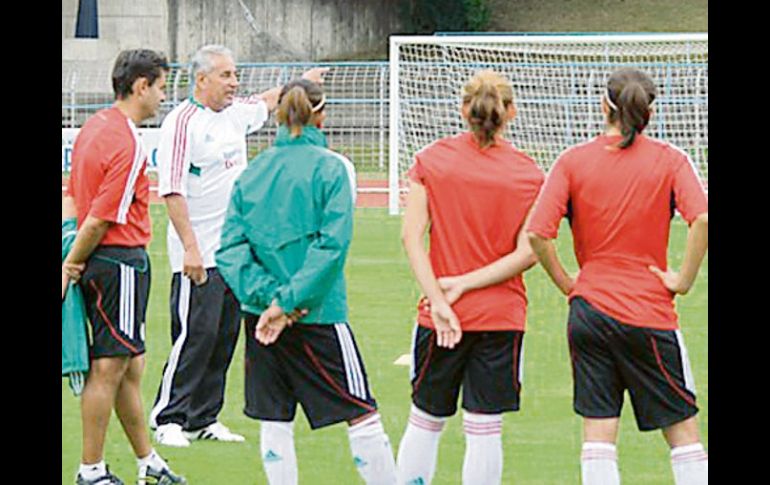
(74, 338)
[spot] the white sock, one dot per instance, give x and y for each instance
(419, 447)
(92, 471)
(599, 463)
(372, 453)
(690, 464)
(483, 448)
(279, 459)
(153, 459)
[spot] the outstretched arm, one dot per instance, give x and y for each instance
(271, 95)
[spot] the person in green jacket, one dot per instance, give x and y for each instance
(284, 242)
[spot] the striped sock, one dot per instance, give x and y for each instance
(483, 448)
(599, 464)
(419, 447)
(690, 464)
(372, 454)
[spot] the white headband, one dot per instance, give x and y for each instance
(320, 104)
(613, 105)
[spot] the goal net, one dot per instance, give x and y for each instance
(557, 83)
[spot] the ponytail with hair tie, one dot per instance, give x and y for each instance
(634, 93)
(487, 96)
(298, 102)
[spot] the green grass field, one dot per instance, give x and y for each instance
(541, 442)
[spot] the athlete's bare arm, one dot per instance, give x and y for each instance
(512, 264)
(416, 222)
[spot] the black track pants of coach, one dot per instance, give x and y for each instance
(204, 330)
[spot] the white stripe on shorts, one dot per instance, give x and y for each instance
(352, 382)
(133, 302)
(353, 372)
(122, 305)
(131, 277)
(183, 309)
(126, 320)
(689, 381)
(350, 362)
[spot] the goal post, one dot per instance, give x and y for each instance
(557, 83)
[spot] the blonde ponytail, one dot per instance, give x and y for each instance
(488, 96)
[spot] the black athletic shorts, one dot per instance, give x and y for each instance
(486, 364)
(318, 366)
(116, 289)
(609, 357)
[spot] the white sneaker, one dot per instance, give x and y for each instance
(215, 431)
(171, 435)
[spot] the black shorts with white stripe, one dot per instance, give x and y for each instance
(316, 365)
(486, 366)
(116, 289)
(610, 357)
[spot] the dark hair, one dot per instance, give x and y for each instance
(630, 92)
(133, 64)
(488, 95)
(298, 101)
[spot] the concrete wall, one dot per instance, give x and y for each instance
(283, 30)
(123, 24)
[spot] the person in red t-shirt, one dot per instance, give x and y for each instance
(108, 260)
(474, 190)
(619, 191)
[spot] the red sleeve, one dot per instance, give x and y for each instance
(116, 193)
(417, 172)
(689, 196)
(551, 204)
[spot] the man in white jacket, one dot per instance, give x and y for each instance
(201, 152)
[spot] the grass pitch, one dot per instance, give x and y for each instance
(541, 442)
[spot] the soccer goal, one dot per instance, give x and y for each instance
(557, 83)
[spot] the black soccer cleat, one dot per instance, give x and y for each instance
(164, 476)
(106, 479)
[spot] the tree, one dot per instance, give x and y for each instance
(429, 16)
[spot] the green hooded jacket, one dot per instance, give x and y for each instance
(288, 228)
(74, 339)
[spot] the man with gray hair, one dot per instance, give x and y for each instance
(201, 152)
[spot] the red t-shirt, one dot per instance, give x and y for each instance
(108, 178)
(478, 200)
(621, 203)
